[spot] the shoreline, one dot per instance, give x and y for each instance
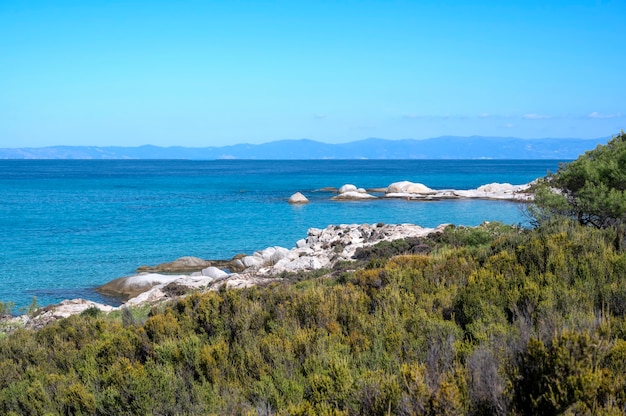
(320, 249)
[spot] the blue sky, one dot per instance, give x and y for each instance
(209, 73)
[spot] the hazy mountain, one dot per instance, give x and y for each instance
(446, 147)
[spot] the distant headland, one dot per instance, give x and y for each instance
(445, 147)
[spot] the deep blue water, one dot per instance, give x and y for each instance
(69, 226)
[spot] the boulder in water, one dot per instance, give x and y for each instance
(298, 198)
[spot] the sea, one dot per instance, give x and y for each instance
(69, 226)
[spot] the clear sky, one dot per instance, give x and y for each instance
(209, 73)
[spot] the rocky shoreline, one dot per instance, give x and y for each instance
(321, 249)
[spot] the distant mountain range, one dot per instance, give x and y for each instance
(446, 147)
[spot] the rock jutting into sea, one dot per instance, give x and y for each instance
(419, 192)
(322, 248)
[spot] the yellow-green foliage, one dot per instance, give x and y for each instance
(495, 320)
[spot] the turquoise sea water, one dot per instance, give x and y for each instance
(69, 226)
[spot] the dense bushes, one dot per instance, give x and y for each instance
(493, 320)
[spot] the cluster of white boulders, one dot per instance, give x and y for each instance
(417, 191)
(322, 248)
(351, 192)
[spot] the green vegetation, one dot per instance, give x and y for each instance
(591, 189)
(493, 320)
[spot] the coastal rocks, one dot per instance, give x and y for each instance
(301, 263)
(406, 189)
(42, 317)
(499, 191)
(298, 198)
(351, 196)
(322, 248)
(214, 273)
(177, 287)
(347, 188)
(131, 286)
(182, 265)
(71, 307)
(498, 188)
(351, 192)
(325, 247)
(412, 191)
(263, 258)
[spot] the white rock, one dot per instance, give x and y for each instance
(213, 272)
(498, 188)
(152, 295)
(134, 285)
(303, 263)
(279, 254)
(74, 307)
(408, 187)
(237, 264)
(352, 195)
(252, 261)
(298, 198)
(419, 188)
(347, 188)
(266, 254)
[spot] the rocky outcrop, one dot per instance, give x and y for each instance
(298, 198)
(406, 188)
(259, 259)
(347, 188)
(350, 192)
(214, 273)
(412, 191)
(44, 316)
(130, 286)
(501, 191)
(322, 248)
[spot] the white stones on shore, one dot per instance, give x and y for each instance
(74, 306)
(262, 258)
(214, 273)
(321, 249)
